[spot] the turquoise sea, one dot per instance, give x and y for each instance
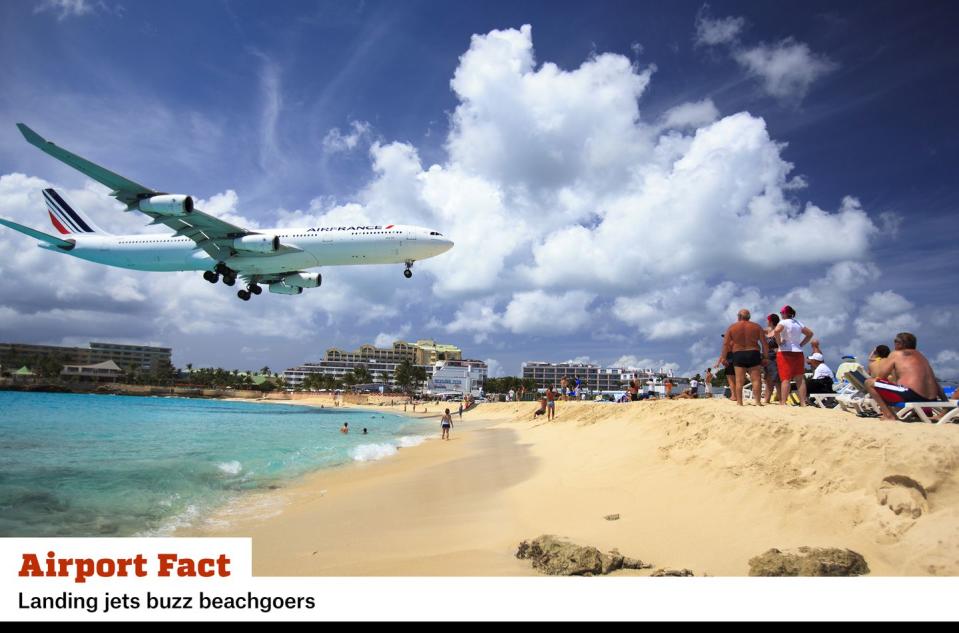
(100, 465)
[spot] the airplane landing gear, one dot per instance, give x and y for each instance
(244, 294)
(229, 276)
(211, 276)
(408, 272)
(255, 289)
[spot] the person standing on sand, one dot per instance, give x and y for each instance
(773, 383)
(726, 360)
(550, 403)
(446, 424)
(791, 335)
(461, 411)
(708, 383)
(668, 388)
(746, 345)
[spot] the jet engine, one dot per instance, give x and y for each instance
(257, 243)
(282, 289)
(303, 280)
(172, 205)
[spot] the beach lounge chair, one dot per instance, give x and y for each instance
(930, 412)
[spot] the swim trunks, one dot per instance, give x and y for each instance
(895, 394)
(749, 358)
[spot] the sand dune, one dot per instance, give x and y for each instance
(704, 485)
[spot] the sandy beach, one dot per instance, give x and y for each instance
(703, 485)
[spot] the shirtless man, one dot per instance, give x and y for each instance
(917, 381)
(746, 346)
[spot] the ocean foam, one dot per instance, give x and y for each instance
(372, 452)
(230, 468)
(409, 441)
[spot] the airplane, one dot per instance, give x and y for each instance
(277, 258)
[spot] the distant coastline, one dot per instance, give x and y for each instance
(325, 398)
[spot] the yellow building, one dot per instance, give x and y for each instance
(422, 352)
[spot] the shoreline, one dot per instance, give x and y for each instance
(703, 485)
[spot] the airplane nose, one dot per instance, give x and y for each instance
(447, 245)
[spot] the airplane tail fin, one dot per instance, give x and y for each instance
(67, 220)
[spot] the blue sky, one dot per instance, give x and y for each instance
(619, 177)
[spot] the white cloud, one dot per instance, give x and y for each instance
(386, 339)
(710, 32)
(65, 8)
(336, 141)
(478, 317)
(692, 114)
(946, 364)
(787, 69)
(494, 369)
(548, 314)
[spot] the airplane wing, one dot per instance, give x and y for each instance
(213, 235)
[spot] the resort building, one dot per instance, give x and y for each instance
(591, 377)
(107, 371)
(422, 352)
(381, 363)
(142, 357)
(458, 376)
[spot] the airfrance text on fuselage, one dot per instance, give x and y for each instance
(351, 228)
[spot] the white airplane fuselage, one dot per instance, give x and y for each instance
(319, 246)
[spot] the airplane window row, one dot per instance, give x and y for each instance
(169, 239)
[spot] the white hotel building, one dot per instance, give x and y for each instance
(591, 377)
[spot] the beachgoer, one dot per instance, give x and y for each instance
(747, 345)
(364, 430)
(345, 428)
(550, 403)
(542, 407)
(822, 377)
(668, 388)
(916, 383)
(708, 383)
(564, 388)
(771, 367)
(694, 386)
(726, 360)
(446, 423)
(633, 390)
(878, 355)
(791, 335)
(461, 411)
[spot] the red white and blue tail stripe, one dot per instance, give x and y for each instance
(65, 218)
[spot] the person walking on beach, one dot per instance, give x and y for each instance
(708, 383)
(791, 335)
(446, 424)
(461, 411)
(345, 428)
(550, 403)
(746, 343)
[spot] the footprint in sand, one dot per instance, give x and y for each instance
(903, 495)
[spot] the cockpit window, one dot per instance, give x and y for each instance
(435, 233)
